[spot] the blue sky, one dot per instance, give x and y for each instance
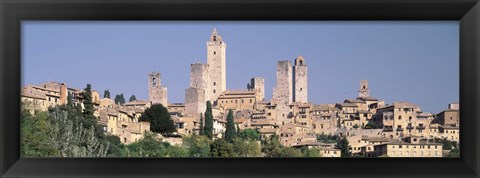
(413, 61)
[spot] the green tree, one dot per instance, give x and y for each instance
(69, 100)
(291, 152)
(119, 99)
(132, 98)
(447, 145)
(34, 135)
(230, 130)
(177, 152)
(159, 118)
(197, 146)
(221, 148)
(310, 152)
(454, 153)
(208, 128)
(106, 94)
(116, 147)
(344, 148)
(272, 147)
(70, 138)
(89, 118)
(250, 134)
(149, 146)
(246, 148)
(201, 132)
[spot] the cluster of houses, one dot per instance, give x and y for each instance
(373, 128)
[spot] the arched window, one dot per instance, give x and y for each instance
(214, 38)
(154, 82)
(214, 83)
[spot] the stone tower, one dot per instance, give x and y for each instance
(258, 84)
(363, 92)
(282, 92)
(156, 92)
(300, 75)
(196, 95)
(216, 61)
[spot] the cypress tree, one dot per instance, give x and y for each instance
(119, 99)
(201, 125)
(106, 94)
(342, 144)
(88, 107)
(230, 132)
(208, 128)
(69, 101)
(132, 98)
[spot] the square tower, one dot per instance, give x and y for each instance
(216, 61)
(258, 84)
(282, 92)
(363, 92)
(156, 92)
(300, 81)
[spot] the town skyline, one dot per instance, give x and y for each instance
(132, 79)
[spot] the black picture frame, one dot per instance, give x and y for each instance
(12, 12)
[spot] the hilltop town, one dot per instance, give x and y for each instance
(372, 127)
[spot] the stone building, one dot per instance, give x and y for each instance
(237, 100)
(409, 147)
(449, 117)
(124, 123)
(157, 94)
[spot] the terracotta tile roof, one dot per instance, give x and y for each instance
(29, 92)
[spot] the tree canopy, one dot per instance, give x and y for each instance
(132, 98)
(119, 99)
(159, 118)
(106, 94)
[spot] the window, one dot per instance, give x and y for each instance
(214, 52)
(214, 83)
(251, 101)
(399, 117)
(213, 91)
(154, 82)
(214, 38)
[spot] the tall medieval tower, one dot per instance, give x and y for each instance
(156, 92)
(217, 70)
(282, 92)
(363, 92)
(300, 93)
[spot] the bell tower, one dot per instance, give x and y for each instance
(217, 71)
